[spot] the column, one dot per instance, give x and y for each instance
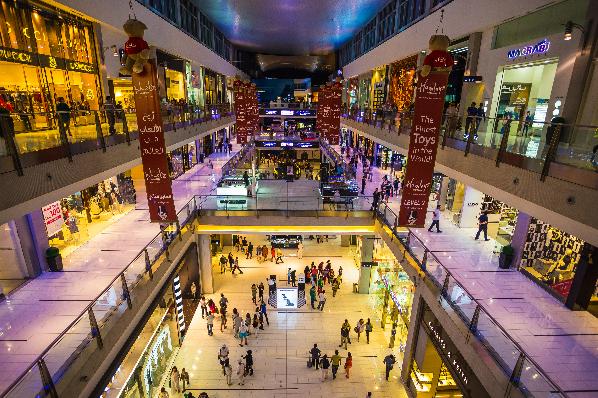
(472, 202)
(520, 237)
(33, 239)
(205, 263)
(584, 281)
(367, 256)
(443, 193)
(345, 240)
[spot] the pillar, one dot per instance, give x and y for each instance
(345, 240)
(367, 256)
(226, 239)
(33, 240)
(443, 193)
(520, 237)
(472, 203)
(584, 281)
(204, 258)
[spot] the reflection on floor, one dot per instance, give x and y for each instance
(281, 350)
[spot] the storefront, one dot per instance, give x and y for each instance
(215, 90)
(363, 99)
(402, 83)
(437, 368)
(552, 258)
(145, 366)
(378, 88)
(123, 93)
(46, 54)
(181, 159)
(72, 221)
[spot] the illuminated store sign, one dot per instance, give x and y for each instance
(541, 47)
(271, 112)
(45, 61)
(286, 112)
(286, 144)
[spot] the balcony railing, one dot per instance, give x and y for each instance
(53, 370)
(564, 151)
(29, 139)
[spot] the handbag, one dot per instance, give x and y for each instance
(309, 363)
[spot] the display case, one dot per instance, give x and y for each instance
(285, 241)
(445, 380)
(421, 381)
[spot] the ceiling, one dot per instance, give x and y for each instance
(290, 27)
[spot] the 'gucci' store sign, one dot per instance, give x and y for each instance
(45, 61)
(462, 373)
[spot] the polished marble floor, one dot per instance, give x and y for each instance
(34, 315)
(280, 351)
(563, 342)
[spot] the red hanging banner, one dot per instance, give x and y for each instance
(335, 103)
(151, 143)
(243, 119)
(423, 143)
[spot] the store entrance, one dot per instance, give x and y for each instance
(521, 89)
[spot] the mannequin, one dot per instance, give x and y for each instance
(562, 268)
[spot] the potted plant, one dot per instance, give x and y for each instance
(506, 257)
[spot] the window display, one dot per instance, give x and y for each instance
(87, 213)
(550, 256)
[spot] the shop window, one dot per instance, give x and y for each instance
(401, 81)
(551, 256)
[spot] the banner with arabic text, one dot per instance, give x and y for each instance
(423, 143)
(151, 143)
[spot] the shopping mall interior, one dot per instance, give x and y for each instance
(264, 198)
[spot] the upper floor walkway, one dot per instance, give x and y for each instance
(511, 167)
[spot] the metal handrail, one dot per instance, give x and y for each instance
(494, 321)
(87, 308)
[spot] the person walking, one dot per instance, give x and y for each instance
(312, 297)
(223, 356)
(175, 381)
(264, 311)
(335, 286)
(250, 250)
(271, 286)
(336, 362)
(241, 372)
(348, 364)
(254, 293)
(375, 199)
(64, 114)
(236, 322)
(294, 278)
(236, 267)
(347, 325)
(184, 379)
(359, 328)
(223, 301)
(389, 361)
(472, 113)
(244, 245)
(321, 300)
(344, 336)
(163, 393)
(228, 373)
(435, 220)
(231, 262)
(300, 250)
(483, 225)
(325, 365)
(223, 319)
(363, 182)
(260, 291)
(222, 264)
(248, 363)
(315, 356)
(368, 329)
(204, 306)
(243, 333)
(289, 276)
(210, 323)
(279, 256)
(272, 253)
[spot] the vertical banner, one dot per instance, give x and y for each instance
(241, 112)
(323, 112)
(336, 95)
(151, 143)
(423, 143)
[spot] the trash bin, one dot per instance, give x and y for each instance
(54, 259)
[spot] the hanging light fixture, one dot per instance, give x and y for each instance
(569, 25)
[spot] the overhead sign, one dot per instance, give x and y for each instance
(287, 297)
(151, 143)
(423, 143)
(541, 47)
(53, 218)
(43, 60)
(472, 79)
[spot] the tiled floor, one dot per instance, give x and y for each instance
(564, 343)
(32, 317)
(280, 351)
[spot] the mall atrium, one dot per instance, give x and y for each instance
(298, 198)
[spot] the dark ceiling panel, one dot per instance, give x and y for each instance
(293, 27)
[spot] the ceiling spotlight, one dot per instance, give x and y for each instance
(569, 30)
